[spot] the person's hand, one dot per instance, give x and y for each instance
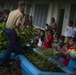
(65, 48)
(53, 45)
(58, 48)
(46, 37)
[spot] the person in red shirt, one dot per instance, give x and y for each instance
(27, 20)
(71, 44)
(48, 39)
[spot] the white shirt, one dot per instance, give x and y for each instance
(68, 32)
(74, 31)
(39, 42)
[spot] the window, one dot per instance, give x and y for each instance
(28, 9)
(40, 15)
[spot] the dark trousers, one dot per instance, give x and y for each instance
(14, 44)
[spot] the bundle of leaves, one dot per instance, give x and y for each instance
(3, 38)
(28, 35)
(40, 62)
(50, 52)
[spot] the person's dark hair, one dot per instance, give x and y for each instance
(46, 24)
(6, 11)
(43, 36)
(50, 31)
(21, 3)
(70, 23)
(56, 36)
(43, 31)
(62, 38)
(27, 16)
(1, 13)
(73, 39)
(30, 16)
(53, 19)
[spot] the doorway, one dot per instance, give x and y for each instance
(60, 21)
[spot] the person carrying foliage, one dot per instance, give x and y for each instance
(13, 24)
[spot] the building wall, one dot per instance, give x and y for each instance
(66, 17)
(73, 12)
(50, 12)
(32, 9)
(53, 12)
(53, 9)
(40, 15)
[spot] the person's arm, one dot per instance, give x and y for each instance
(19, 21)
(46, 38)
(54, 45)
(19, 24)
(73, 57)
(49, 38)
(65, 52)
(22, 24)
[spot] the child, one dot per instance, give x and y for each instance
(69, 30)
(38, 31)
(55, 42)
(47, 26)
(72, 63)
(72, 55)
(66, 40)
(48, 38)
(67, 49)
(27, 20)
(61, 45)
(30, 21)
(71, 43)
(61, 41)
(41, 38)
(36, 39)
(54, 33)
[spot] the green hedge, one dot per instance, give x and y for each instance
(3, 38)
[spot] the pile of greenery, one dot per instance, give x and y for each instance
(27, 36)
(3, 38)
(40, 62)
(50, 52)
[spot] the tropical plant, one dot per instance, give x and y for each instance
(40, 62)
(28, 35)
(3, 38)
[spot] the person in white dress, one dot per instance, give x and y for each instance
(41, 39)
